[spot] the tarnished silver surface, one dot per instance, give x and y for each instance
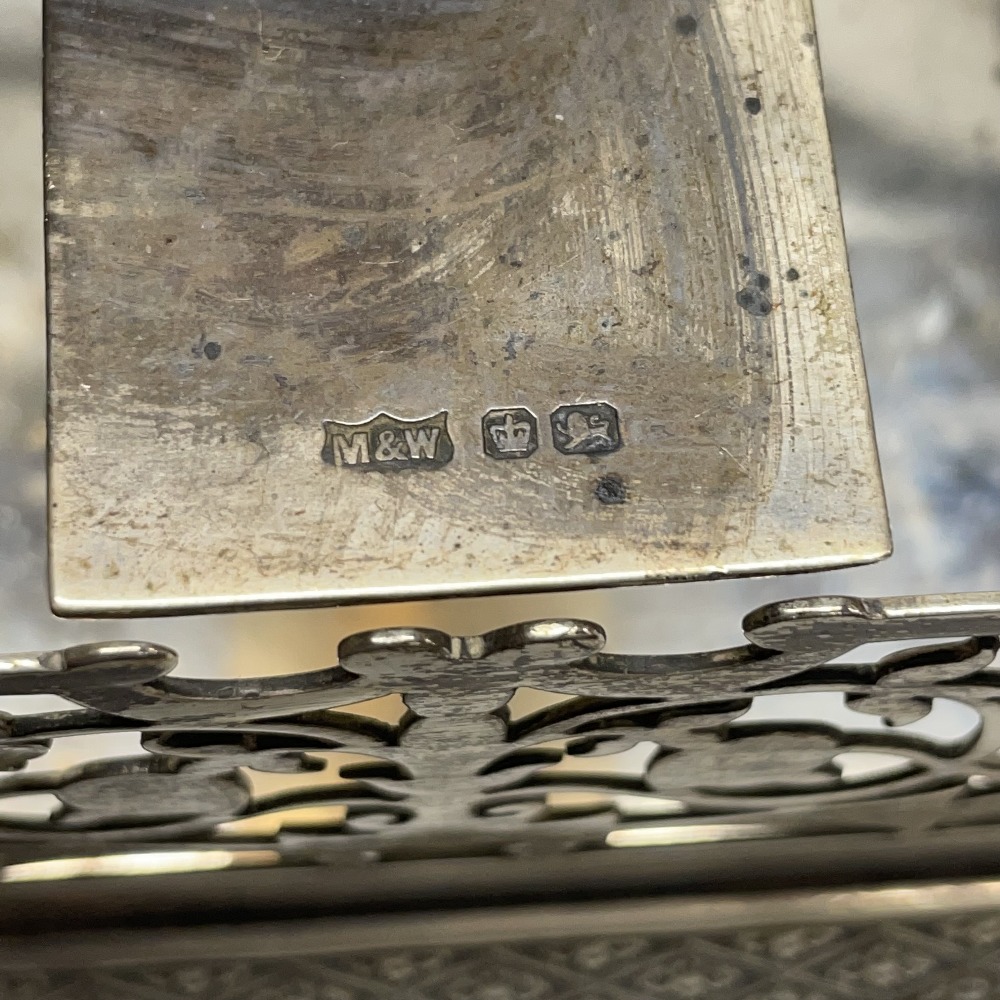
(306, 259)
(923, 234)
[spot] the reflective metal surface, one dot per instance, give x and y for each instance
(520, 811)
(306, 260)
(419, 744)
(920, 941)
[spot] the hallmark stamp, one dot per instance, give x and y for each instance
(586, 429)
(388, 444)
(510, 433)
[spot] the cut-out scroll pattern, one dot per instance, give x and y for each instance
(528, 736)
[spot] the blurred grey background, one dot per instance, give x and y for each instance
(914, 99)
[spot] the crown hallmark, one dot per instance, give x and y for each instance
(510, 433)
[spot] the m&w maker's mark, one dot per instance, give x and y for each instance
(388, 444)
